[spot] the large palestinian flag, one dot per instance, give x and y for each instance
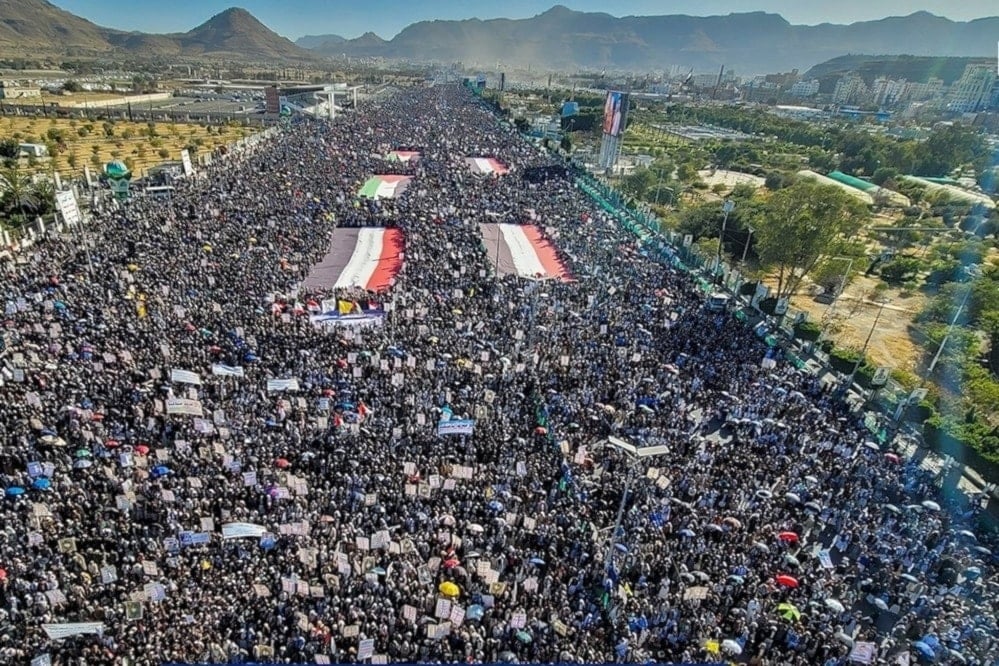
(487, 165)
(522, 249)
(385, 187)
(402, 156)
(368, 257)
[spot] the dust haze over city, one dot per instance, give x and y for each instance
(661, 333)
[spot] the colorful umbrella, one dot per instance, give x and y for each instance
(15, 491)
(789, 537)
(142, 450)
(787, 581)
(834, 605)
(41, 483)
(789, 612)
(282, 463)
(449, 589)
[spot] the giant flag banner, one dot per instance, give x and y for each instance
(487, 165)
(384, 187)
(367, 258)
(522, 249)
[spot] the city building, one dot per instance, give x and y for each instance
(18, 90)
(808, 88)
(924, 92)
(973, 91)
(851, 89)
(888, 92)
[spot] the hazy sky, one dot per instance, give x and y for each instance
(351, 18)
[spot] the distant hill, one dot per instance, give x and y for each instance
(237, 32)
(748, 43)
(318, 42)
(39, 28)
(31, 25)
(916, 69)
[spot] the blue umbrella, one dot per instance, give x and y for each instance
(15, 491)
(496, 505)
(267, 541)
(924, 649)
(686, 532)
(537, 560)
(475, 612)
(41, 483)
(621, 547)
(250, 357)
(159, 470)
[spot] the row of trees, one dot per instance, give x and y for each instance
(844, 146)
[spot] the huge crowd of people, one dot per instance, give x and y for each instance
(768, 530)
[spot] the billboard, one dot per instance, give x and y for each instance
(615, 113)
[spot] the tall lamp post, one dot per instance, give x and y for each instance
(634, 454)
(856, 366)
(727, 208)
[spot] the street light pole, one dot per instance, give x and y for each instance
(727, 208)
(634, 455)
(745, 248)
(870, 334)
(950, 329)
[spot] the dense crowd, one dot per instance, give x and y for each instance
(771, 532)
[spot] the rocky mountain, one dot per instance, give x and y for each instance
(39, 28)
(32, 25)
(749, 43)
(236, 32)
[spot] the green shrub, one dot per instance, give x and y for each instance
(807, 330)
(843, 360)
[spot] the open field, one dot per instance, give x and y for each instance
(140, 145)
(854, 314)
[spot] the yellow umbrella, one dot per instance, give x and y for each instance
(449, 589)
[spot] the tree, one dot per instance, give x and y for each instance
(900, 269)
(801, 225)
(10, 149)
(19, 195)
(521, 124)
(71, 87)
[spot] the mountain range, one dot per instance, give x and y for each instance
(558, 39)
(39, 28)
(750, 43)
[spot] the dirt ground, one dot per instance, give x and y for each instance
(855, 312)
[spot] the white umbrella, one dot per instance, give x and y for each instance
(475, 528)
(931, 505)
(880, 603)
(731, 647)
(835, 605)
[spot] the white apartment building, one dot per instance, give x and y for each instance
(850, 89)
(887, 92)
(973, 91)
(805, 88)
